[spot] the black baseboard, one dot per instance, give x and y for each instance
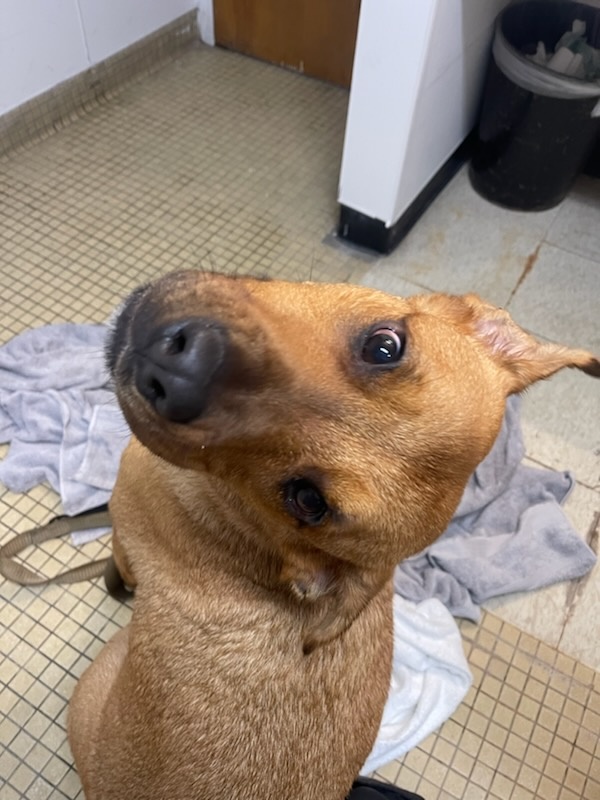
(372, 234)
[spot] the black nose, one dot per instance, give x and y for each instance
(174, 365)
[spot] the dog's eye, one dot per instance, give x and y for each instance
(383, 346)
(304, 501)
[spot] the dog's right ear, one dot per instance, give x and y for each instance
(523, 358)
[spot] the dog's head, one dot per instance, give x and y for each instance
(344, 422)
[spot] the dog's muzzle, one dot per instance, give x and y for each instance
(173, 366)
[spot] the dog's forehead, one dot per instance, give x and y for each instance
(324, 303)
(335, 317)
(198, 292)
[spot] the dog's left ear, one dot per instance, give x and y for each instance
(524, 360)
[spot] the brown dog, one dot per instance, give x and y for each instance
(293, 443)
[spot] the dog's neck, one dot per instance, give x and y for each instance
(327, 594)
(224, 529)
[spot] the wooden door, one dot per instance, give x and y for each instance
(316, 37)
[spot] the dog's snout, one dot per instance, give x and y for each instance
(175, 365)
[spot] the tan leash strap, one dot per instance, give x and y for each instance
(61, 526)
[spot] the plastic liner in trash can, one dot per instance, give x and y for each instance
(537, 127)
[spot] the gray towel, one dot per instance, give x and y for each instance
(64, 426)
(60, 415)
(509, 533)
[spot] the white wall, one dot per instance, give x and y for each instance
(450, 90)
(45, 42)
(206, 21)
(418, 72)
(41, 44)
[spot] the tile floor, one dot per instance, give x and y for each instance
(227, 163)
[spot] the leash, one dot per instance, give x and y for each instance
(61, 526)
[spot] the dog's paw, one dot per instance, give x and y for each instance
(114, 582)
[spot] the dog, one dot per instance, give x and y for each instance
(291, 444)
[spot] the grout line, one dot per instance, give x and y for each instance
(571, 252)
(578, 481)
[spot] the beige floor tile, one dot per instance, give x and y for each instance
(456, 254)
(580, 632)
(460, 197)
(548, 613)
(558, 298)
(575, 226)
(558, 425)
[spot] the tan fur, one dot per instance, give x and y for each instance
(257, 661)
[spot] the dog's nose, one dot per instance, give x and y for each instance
(174, 365)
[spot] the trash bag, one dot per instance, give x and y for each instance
(537, 127)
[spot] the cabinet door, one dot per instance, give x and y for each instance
(315, 37)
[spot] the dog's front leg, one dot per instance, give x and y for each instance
(87, 706)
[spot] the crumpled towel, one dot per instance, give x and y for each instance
(430, 678)
(60, 415)
(509, 533)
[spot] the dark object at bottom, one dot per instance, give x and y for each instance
(370, 789)
(532, 143)
(531, 148)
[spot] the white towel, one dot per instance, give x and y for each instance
(430, 678)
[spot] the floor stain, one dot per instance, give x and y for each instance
(529, 265)
(575, 588)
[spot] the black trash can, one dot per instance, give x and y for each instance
(537, 127)
(592, 166)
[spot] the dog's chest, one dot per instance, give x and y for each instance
(228, 684)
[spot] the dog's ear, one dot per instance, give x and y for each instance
(523, 359)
